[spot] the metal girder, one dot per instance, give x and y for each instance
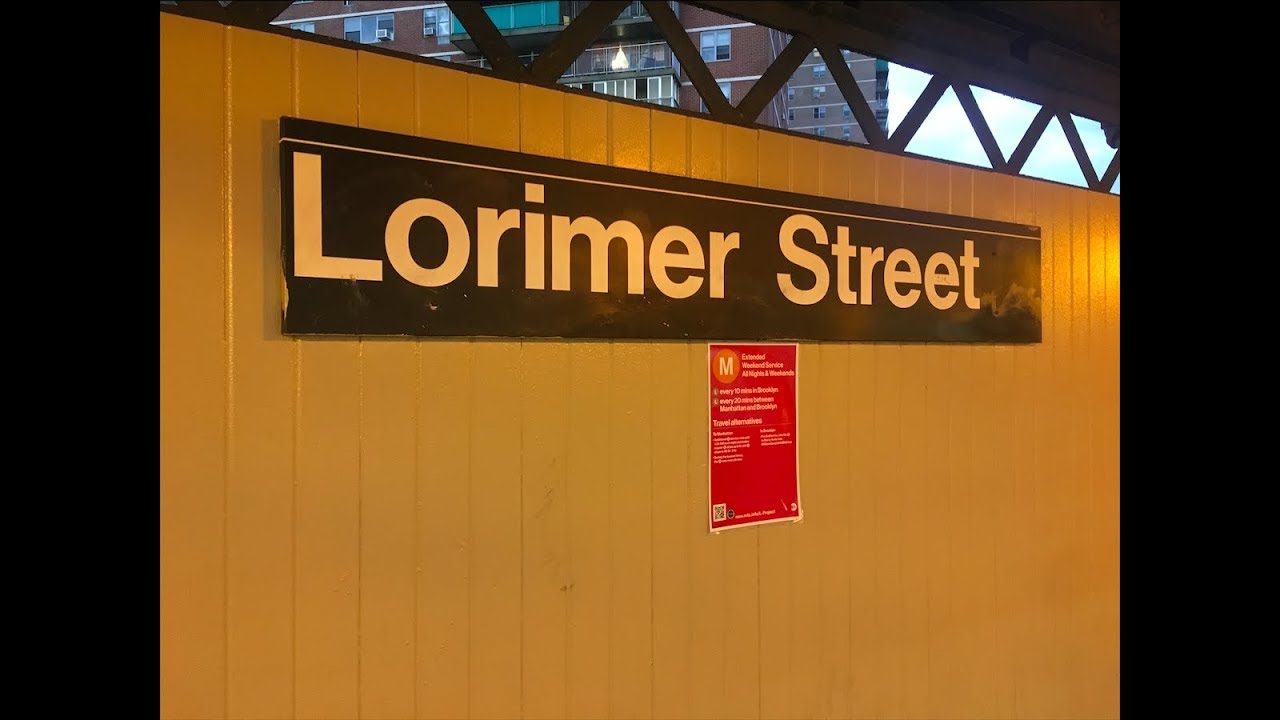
(1077, 148)
(574, 39)
(979, 122)
(871, 129)
(492, 45)
(1029, 140)
(932, 36)
(914, 118)
(872, 28)
(691, 60)
(1113, 172)
(774, 78)
(1087, 27)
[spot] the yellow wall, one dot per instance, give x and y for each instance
(499, 529)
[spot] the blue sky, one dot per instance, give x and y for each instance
(947, 134)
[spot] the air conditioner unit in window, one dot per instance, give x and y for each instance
(428, 30)
(383, 35)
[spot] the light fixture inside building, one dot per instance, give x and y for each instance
(620, 61)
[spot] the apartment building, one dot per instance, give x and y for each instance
(631, 59)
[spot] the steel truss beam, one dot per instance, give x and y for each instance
(909, 33)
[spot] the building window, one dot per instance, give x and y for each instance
(791, 114)
(819, 113)
(820, 132)
(820, 70)
(437, 22)
(348, 3)
(844, 132)
(846, 112)
(370, 28)
(715, 45)
(724, 88)
(304, 27)
(621, 88)
(819, 92)
(791, 94)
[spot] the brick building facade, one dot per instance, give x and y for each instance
(632, 59)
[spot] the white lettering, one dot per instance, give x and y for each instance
(309, 259)
(803, 258)
(563, 231)
(970, 263)
(893, 276)
(870, 258)
(490, 227)
(660, 259)
(721, 244)
(843, 251)
(726, 364)
(397, 239)
(933, 279)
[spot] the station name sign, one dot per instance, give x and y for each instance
(387, 234)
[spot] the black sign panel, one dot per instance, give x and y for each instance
(387, 234)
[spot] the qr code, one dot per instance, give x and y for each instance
(718, 511)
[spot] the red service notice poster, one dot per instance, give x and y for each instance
(753, 464)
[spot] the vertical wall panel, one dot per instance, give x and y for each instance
(388, 453)
(1078, 491)
(327, 535)
(938, 478)
(776, 614)
(496, 531)
(913, 449)
(886, 400)
(670, 135)
(496, 495)
(828, 488)
(545, 528)
(432, 86)
(710, 593)
(864, 665)
(1011, 428)
(630, 479)
(587, 129)
(965, 584)
(1047, 689)
(193, 370)
(1096, 536)
(740, 596)
(449, 528)
(670, 391)
(1107, 481)
(985, 492)
(543, 466)
(443, 504)
(1063, 581)
(1023, 550)
(260, 470)
(805, 566)
(443, 535)
(587, 139)
(1006, 429)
